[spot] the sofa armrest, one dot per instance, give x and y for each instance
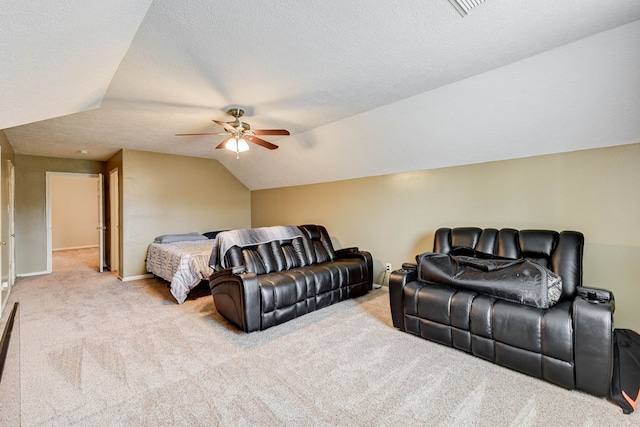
(341, 252)
(237, 297)
(410, 266)
(593, 344)
(595, 294)
(397, 281)
(365, 256)
(226, 272)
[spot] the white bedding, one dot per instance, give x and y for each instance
(184, 264)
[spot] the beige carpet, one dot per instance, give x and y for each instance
(98, 352)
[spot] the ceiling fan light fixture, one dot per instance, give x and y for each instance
(236, 131)
(236, 145)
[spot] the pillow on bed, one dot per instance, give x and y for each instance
(169, 238)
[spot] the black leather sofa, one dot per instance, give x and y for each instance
(259, 286)
(569, 344)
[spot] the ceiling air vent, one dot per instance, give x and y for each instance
(464, 6)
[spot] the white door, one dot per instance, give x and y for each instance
(12, 224)
(4, 286)
(101, 226)
(114, 221)
(7, 238)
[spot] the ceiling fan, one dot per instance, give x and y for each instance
(239, 132)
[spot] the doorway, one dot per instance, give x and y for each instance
(74, 219)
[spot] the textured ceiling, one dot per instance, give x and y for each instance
(297, 65)
(58, 57)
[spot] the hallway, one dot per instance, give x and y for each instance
(76, 259)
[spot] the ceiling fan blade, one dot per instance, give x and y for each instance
(224, 141)
(261, 142)
(226, 126)
(193, 134)
(271, 132)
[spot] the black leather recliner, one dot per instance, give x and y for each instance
(270, 283)
(569, 344)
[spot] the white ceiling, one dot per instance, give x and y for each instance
(103, 76)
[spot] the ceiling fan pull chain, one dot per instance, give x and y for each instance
(240, 131)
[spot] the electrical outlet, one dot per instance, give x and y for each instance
(387, 266)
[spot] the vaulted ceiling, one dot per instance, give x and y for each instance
(365, 87)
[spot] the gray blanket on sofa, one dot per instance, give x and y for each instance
(248, 237)
(519, 280)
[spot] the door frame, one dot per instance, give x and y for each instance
(12, 223)
(100, 226)
(114, 220)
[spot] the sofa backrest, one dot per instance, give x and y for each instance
(481, 240)
(319, 246)
(559, 252)
(312, 247)
(277, 255)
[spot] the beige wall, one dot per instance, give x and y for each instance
(395, 216)
(163, 194)
(74, 211)
(31, 219)
(159, 194)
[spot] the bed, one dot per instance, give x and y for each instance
(182, 263)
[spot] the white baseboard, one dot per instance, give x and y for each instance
(140, 277)
(37, 273)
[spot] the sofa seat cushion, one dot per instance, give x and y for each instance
(353, 271)
(542, 331)
(286, 295)
(292, 293)
(286, 288)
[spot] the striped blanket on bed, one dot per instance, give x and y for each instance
(184, 264)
